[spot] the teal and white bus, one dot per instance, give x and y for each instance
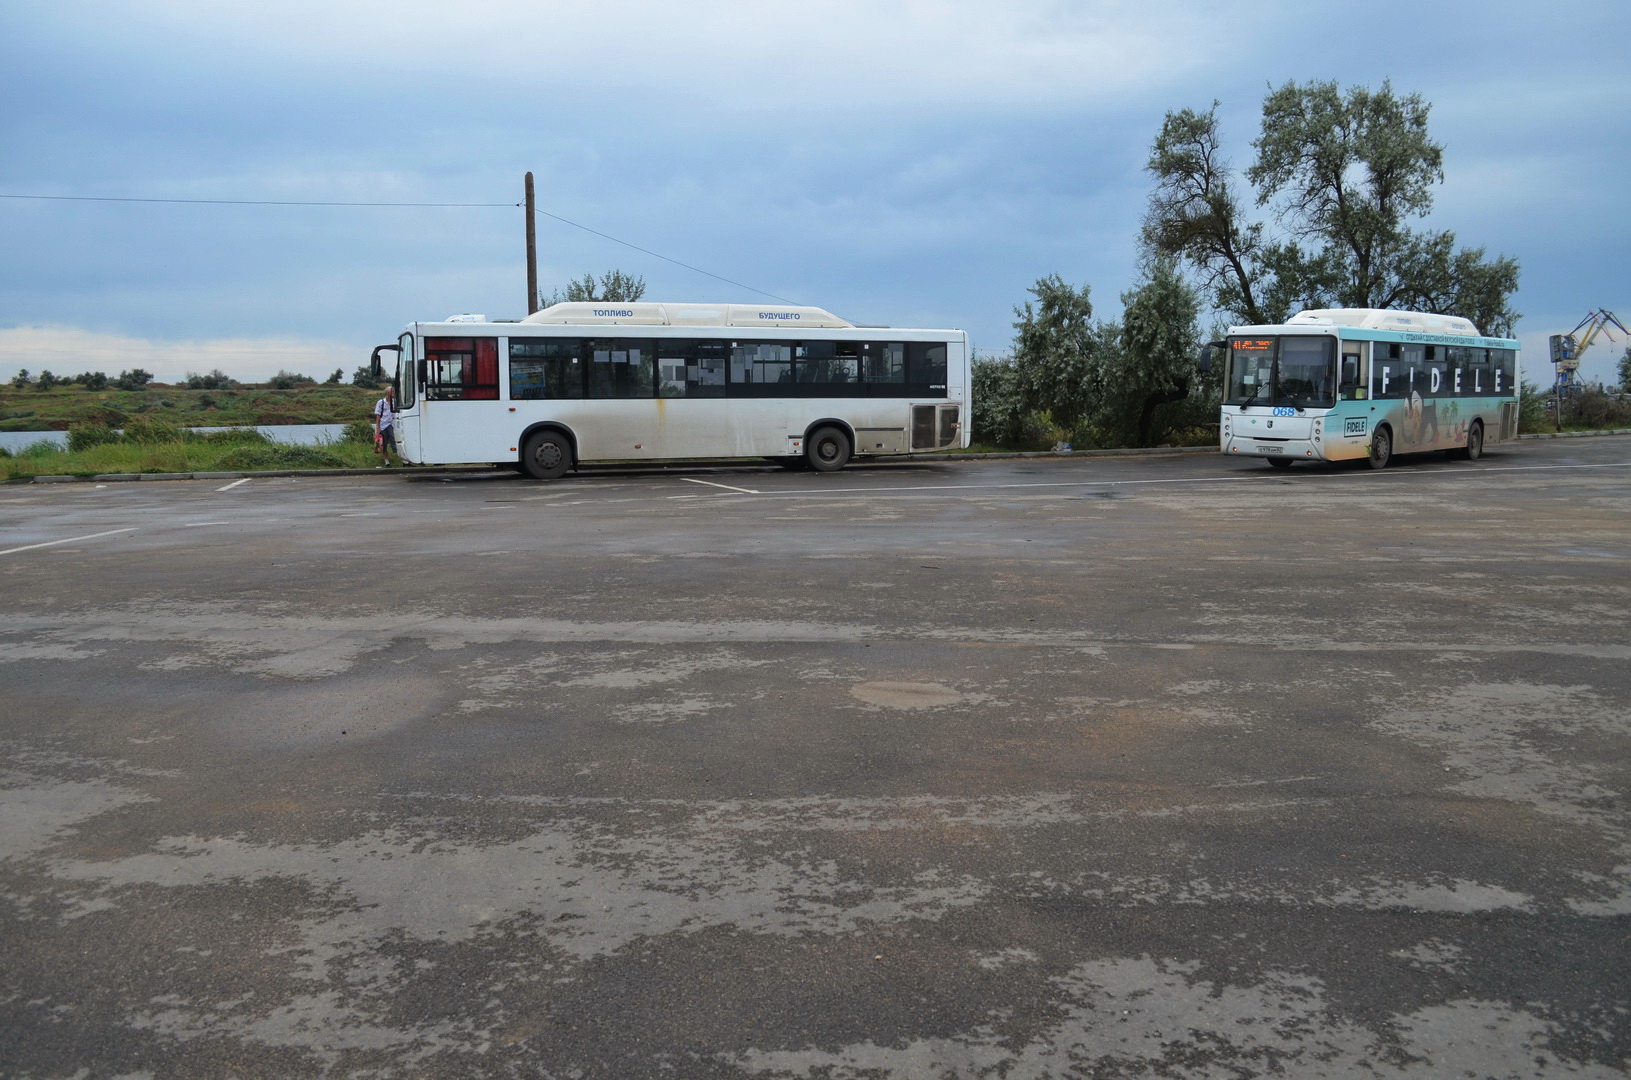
(1349, 383)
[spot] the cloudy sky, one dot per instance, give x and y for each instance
(902, 162)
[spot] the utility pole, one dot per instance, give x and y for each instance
(532, 251)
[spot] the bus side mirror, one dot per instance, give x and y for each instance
(1204, 361)
(375, 368)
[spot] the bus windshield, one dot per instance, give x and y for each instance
(1295, 371)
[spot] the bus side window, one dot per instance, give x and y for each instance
(543, 368)
(622, 368)
(461, 369)
(883, 362)
(926, 366)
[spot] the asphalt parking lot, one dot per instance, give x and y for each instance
(1137, 767)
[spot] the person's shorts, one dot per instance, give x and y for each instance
(387, 439)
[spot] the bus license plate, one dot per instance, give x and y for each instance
(1271, 449)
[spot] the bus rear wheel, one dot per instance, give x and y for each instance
(1475, 442)
(828, 449)
(1381, 448)
(546, 455)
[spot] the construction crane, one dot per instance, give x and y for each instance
(1567, 348)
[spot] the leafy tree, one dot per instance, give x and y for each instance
(1153, 360)
(1343, 174)
(46, 381)
(334, 379)
(1625, 371)
(21, 379)
(133, 380)
(92, 380)
(364, 378)
(1054, 351)
(1195, 215)
(613, 287)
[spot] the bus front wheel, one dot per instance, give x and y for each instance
(1381, 448)
(828, 449)
(546, 455)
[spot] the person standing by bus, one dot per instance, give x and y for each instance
(385, 428)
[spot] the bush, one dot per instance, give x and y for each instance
(1531, 407)
(358, 431)
(85, 436)
(999, 416)
(215, 380)
(151, 432)
(1190, 422)
(107, 416)
(1596, 409)
(289, 380)
(133, 380)
(246, 436)
(271, 455)
(364, 378)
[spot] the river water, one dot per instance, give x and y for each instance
(293, 434)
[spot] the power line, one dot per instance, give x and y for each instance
(305, 202)
(665, 258)
(240, 202)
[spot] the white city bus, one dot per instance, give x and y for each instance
(1349, 383)
(586, 382)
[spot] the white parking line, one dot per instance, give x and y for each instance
(1258, 477)
(1538, 468)
(727, 487)
(234, 484)
(805, 493)
(70, 540)
(199, 524)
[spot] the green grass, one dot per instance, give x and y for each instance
(165, 449)
(60, 408)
